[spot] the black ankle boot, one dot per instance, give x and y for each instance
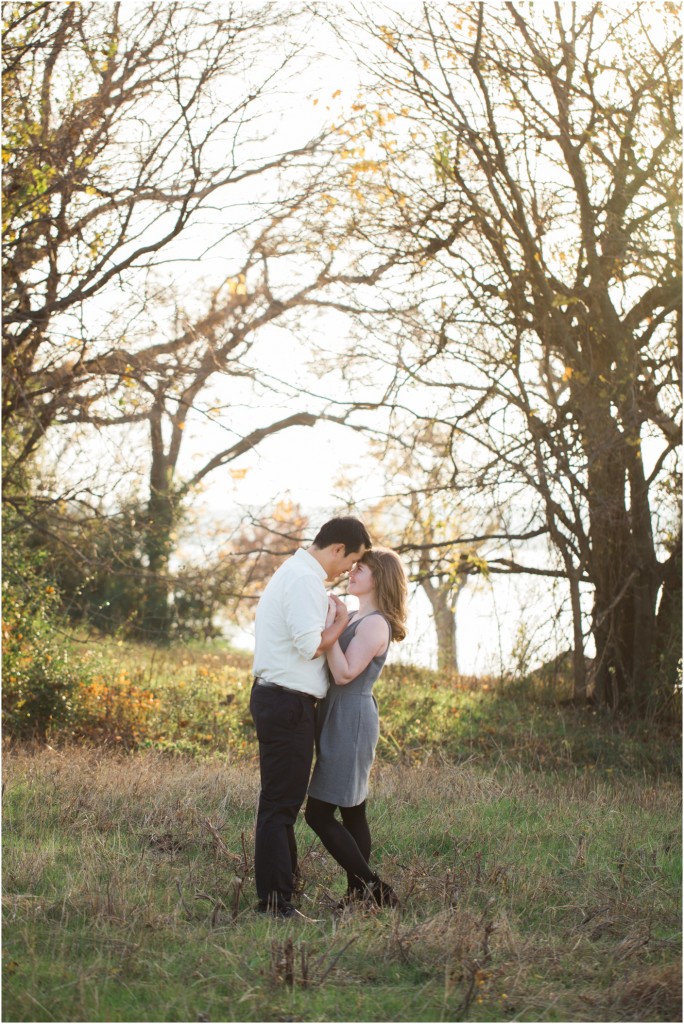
(383, 893)
(351, 897)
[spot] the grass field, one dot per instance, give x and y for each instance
(536, 884)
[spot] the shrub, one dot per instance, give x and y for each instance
(40, 674)
(115, 713)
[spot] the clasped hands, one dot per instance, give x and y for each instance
(337, 610)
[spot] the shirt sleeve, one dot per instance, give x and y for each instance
(305, 610)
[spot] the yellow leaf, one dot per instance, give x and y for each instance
(238, 474)
(237, 286)
(568, 373)
(338, 92)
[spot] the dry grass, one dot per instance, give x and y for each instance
(128, 896)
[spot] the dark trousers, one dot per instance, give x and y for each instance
(285, 728)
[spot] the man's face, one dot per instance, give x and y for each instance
(341, 563)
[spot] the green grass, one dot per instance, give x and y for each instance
(525, 896)
(536, 849)
(195, 700)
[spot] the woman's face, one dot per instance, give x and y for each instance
(360, 580)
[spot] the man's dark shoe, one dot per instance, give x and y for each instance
(283, 911)
(352, 897)
(275, 909)
(373, 894)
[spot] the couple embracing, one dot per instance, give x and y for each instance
(314, 669)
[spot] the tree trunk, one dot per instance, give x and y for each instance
(443, 598)
(161, 519)
(622, 560)
(156, 614)
(610, 569)
(668, 638)
(579, 669)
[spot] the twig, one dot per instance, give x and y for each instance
(220, 843)
(332, 964)
(182, 899)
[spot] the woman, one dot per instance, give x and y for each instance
(347, 724)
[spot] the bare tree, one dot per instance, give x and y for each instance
(145, 120)
(123, 123)
(532, 159)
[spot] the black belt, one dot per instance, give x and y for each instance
(288, 689)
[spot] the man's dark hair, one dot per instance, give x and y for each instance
(343, 530)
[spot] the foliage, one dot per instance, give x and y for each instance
(114, 712)
(97, 562)
(195, 699)
(98, 565)
(489, 723)
(41, 672)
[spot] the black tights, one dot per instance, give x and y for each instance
(349, 841)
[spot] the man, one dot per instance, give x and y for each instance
(290, 675)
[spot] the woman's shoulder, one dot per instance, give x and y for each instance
(374, 624)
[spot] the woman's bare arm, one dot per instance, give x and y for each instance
(371, 639)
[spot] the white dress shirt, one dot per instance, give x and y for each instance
(290, 618)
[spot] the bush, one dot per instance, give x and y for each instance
(40, 673)
(120, 713)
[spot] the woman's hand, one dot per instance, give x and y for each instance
(332, 609)
(334, 625)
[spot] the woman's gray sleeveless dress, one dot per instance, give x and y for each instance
(347, 731)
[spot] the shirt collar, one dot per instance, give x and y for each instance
(312, 562)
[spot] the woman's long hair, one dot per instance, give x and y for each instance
(391, 588)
